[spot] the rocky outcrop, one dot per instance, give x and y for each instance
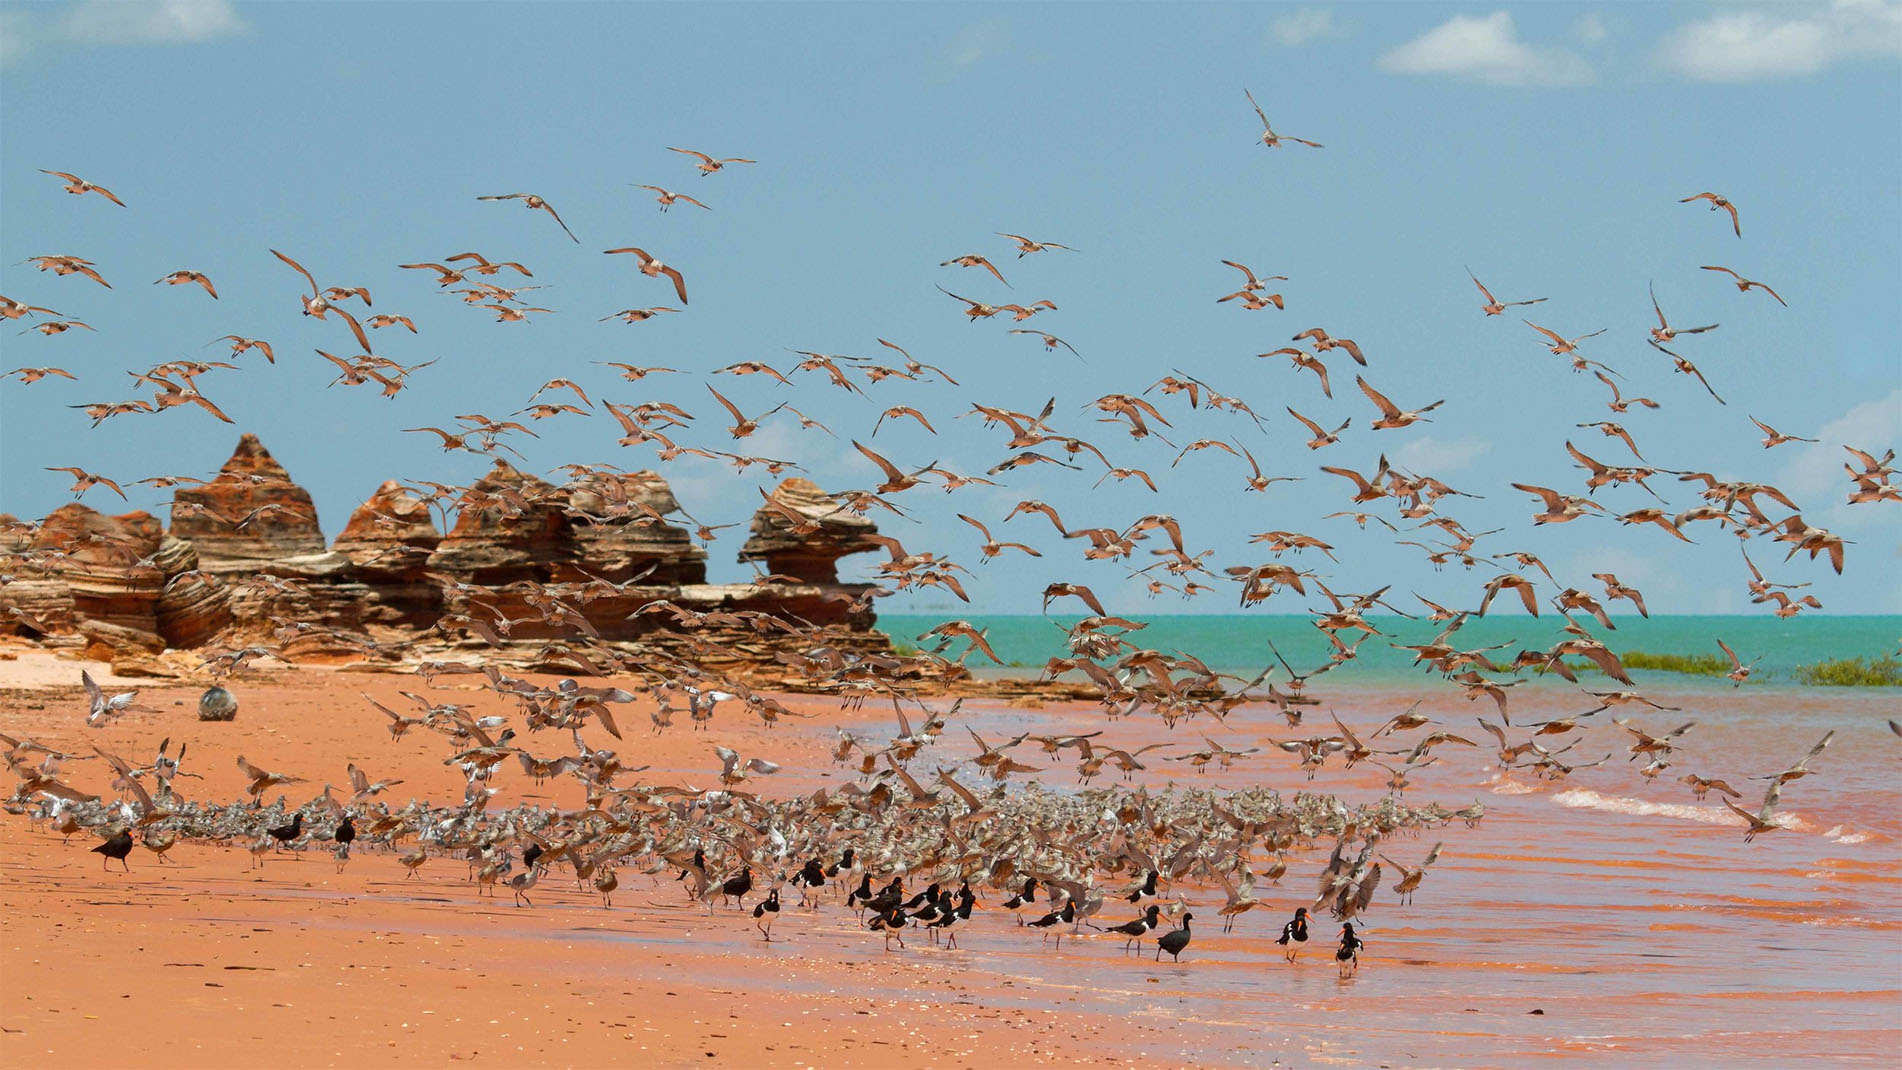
(390, 534)
(618, 530)
(192, 605)
(807, 548)
(250, 515)
(103, 562)
(509, 527)
(527, 560)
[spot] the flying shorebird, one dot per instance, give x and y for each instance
(84, 481)
(1493, 305)
(1026, 246)
(1664, 332)
(708, 164)
(53, 327)
(530, 200)
(102, 709)
(974, 260)
(742, 426)
(1764, 820)
(1739, 672)
(733, 769)
(1746, 285)
(1321, 437)
(1268, 135)
(239, 344)
(1559, 508)
(668, 197)
(653, 268)
(320, 305)
(1391, 415)
(1687, 368)
(1050, 341)
(180, 278)
(1618, 402)
(77, 186)
(1717, 201)
(1773, 437)
(1561, 346)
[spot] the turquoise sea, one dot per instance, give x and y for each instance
(1239, 643)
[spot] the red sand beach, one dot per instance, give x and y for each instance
(1604, 919)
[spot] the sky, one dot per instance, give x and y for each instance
(1545, 146)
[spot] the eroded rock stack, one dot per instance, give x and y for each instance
(251, 514)
(807, 550)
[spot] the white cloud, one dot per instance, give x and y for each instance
(118, 22)
(1741, 46)
(1307, 24)
(1590, 30)
(16, 35)
(977, 42)
(143, 22)
(1439, 457)
(1486, 50)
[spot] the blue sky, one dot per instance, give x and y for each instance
(1546, 146)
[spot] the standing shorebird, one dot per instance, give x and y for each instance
(765, 913)
(1296, 931)
(1174, 941)
(118, 846)
(1348, 954)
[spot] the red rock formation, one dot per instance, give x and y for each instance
(508, 527)
(283, 520)
(101, 568)
(392, 533)
(811, 556)
(191, 608)
(515, 536)
(617, 535)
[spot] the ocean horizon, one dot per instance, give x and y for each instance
(1240, 642)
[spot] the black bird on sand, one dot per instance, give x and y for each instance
(764, 913)
(1174, 940)
(1135, 930)
(936, 903)
(945, 920)
(737, 887)
(1027, 895)
(861, 894)
(118, 846)
(1296, 930)
(809, 880)
(844, 863)
(1146, 890)
(1348, 955)
(345, 834)
(889, 922)
(890, 898)
(1055, 918)
(286, 833)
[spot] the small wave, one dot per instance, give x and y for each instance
(1845, 834)
(1513, 787)
(1585, 798)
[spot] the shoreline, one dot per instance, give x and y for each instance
(1555, 902)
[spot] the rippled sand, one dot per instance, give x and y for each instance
(1632, 916)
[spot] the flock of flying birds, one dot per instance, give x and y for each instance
(888, 826)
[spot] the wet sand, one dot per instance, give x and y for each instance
(1633, 917)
